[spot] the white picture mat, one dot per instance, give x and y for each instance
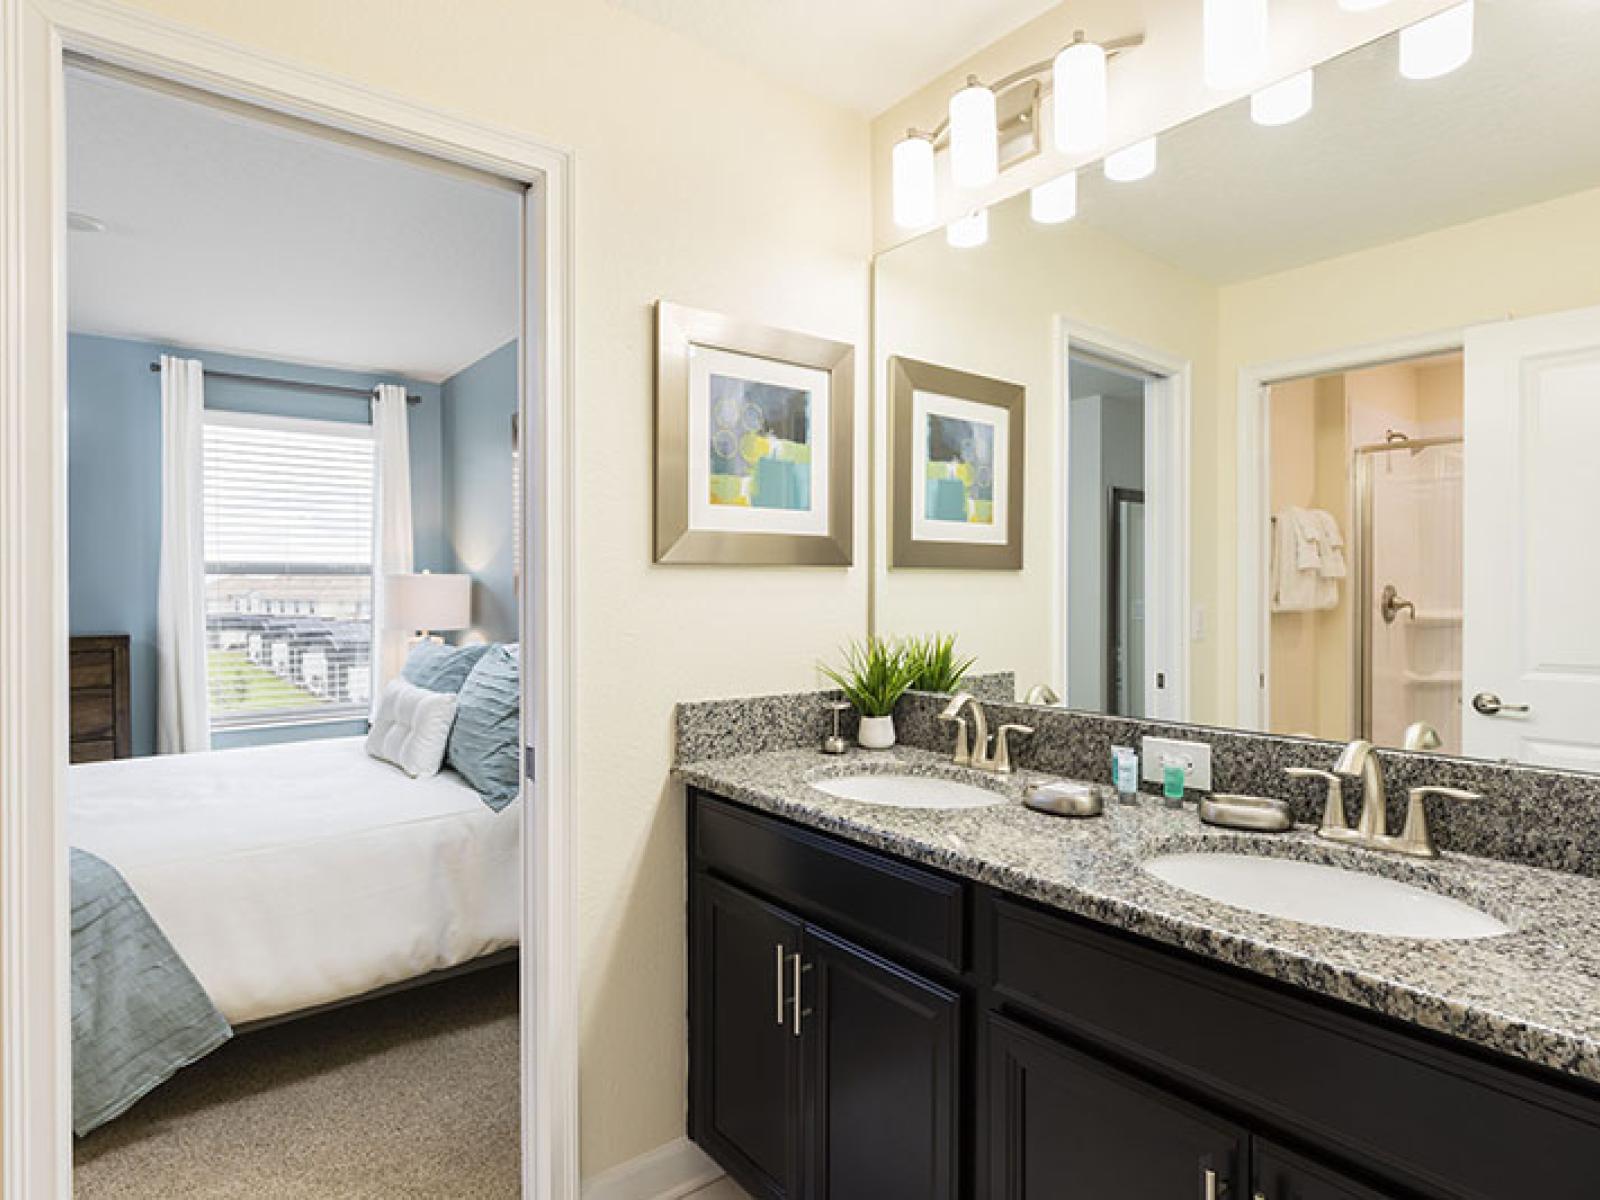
(705, 361)
(926, 404)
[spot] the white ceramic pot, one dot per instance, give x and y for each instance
(876, 733)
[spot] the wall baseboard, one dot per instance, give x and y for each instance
(665, 1173)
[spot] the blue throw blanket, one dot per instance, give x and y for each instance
(138, 1013)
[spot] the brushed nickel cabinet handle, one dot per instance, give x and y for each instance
(1209, 1178)
(794, 1000)
(781, 957)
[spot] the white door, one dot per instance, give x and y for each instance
(1531, 557)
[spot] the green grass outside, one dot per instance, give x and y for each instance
(239, 686)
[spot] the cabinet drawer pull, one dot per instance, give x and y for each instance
(1213, 1186)
(779, 989)
(797, 968)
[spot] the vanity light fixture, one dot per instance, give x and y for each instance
(915, 193)
(974, 136)
(1283, 102)
(1081, 105)
(1235, 41)
(989, 129)
(1438, 44)
(1132, 163)
(970, 231)
(1056, 201)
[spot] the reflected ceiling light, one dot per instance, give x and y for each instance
(1284, 102)
(1132, 163)
(1437, 45)
(1054, 202)
(974, 136)
(1361, 5)
(1235, 41)
(1079, 78)
(915, 193)
(966, 232)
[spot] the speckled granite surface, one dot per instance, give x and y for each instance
(1536, 817)
(787, 721)
(1533, 993)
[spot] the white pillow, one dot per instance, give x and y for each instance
(412, 728)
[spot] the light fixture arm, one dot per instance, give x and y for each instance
(1038, 72)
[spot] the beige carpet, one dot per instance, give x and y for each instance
(407, 1097)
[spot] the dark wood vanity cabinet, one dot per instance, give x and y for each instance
(863, 1028)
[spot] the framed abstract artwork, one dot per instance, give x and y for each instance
(955, 468)
(754, 443)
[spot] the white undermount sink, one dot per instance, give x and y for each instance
(1315, 894)
(908, 791)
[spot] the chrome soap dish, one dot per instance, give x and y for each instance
(1067, 799)
(1258, 813)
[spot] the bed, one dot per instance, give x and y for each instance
(295, 876)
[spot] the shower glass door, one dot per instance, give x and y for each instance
(1408, 644)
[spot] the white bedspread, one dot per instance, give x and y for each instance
(294, 875)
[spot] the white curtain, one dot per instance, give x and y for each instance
(391, 553)
(183, 718)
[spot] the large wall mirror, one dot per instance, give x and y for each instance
(1311, 412)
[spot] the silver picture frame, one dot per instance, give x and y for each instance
(907, 379)
(681, 332)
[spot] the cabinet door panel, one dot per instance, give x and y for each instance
(1281, 1174)
(882, 1050)
(745, 1058)
(1064, 1126)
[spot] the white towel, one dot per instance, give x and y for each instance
(1306, 560)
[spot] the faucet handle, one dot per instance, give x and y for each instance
(1333, 816)
(962, 756)
(1418, 837)
(1002, 746)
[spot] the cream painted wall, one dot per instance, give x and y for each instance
(992, 312)
(700, 182)
(1541, 259)
(1154, 88)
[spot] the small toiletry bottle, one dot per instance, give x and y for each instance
(1173, 778)
(1125, 773)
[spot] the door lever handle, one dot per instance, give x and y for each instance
(1490, 705)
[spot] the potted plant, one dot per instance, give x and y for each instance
(938, 669)
(876, 673)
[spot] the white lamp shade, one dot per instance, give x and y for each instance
(427, 601)
(1438, 45)
(915, 193)
(974, 136)
(1132, 163)
(1284, 102)
(1054, 202)
(970, 231)
(1079, 79)
(1235, 41)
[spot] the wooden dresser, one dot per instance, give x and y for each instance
(101, 717)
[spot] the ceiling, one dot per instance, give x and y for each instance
(860, 55)
(1379, 159)
(232, 234)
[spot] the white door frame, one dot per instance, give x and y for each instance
(1168, 422)
(1253, 695)
(35, 1075)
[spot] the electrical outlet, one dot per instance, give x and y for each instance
(1195, 757)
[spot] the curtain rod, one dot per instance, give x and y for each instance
(296, 385)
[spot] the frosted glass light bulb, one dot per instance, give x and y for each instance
(1439, 44)
(974, 136)
(1235, 41)
(1284, 102)
(1054, 202)
(915, 194)
(1081, 107)
(969, 231)
(1132, 163)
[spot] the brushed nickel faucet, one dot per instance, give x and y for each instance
(978, 752)
(1360, 760)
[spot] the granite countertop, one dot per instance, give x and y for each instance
(1533, 993)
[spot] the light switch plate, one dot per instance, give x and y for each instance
(1195, 757)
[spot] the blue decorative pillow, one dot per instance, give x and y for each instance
(441, 668)
(485, 739)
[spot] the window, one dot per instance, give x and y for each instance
(288, 594)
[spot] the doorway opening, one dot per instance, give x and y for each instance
(1365, 476)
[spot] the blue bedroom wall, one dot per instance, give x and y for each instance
(478, 404)
(114, 492)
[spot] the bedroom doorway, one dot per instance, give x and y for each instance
(278, 641)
